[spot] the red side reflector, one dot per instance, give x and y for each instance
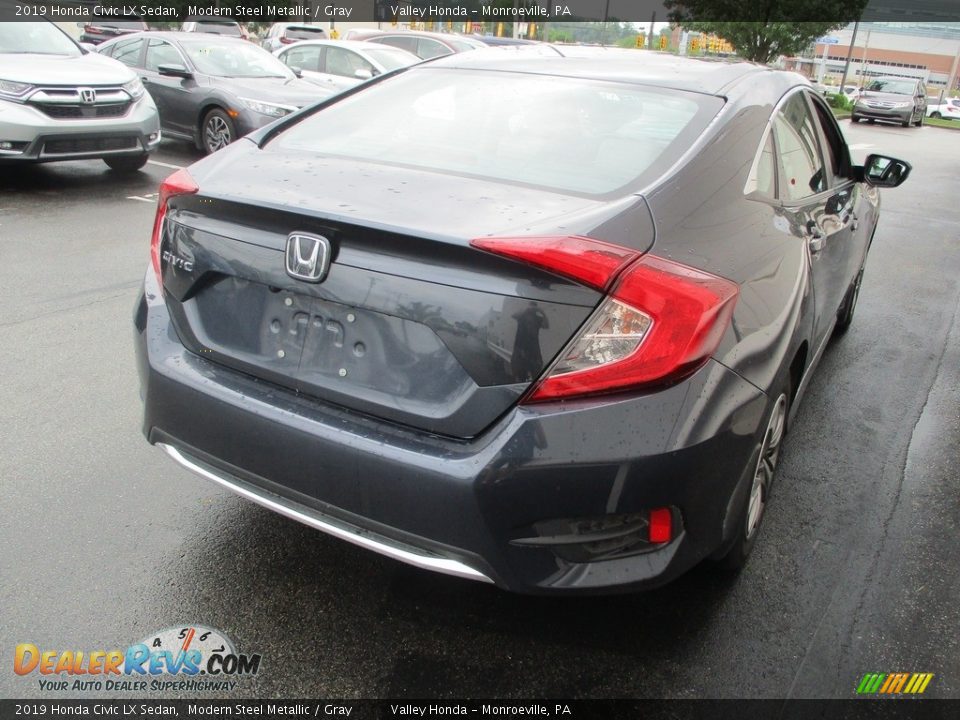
(661, 525)
(180, 183)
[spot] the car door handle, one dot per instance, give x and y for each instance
(144, 79)
(815, 237)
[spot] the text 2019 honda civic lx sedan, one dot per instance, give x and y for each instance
(522, 317)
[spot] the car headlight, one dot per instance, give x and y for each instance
(11, 90)
(267, 108)
(134, 88)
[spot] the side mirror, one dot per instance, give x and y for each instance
(883, 171)
(363, 73)
(174, 71)
(298, 71)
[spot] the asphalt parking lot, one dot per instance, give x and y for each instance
(107, 541)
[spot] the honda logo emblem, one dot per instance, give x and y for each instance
(88, 96)
(308, 257)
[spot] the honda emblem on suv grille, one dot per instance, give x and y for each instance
(88, 96)
(308, 257)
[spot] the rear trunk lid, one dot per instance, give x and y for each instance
(410, 324)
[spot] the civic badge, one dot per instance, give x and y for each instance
(308, 257)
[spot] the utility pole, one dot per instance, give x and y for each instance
(863, 59)
(653, 21)
(846, 66)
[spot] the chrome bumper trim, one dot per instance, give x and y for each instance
(343, 531)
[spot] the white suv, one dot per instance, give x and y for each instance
(60, 102)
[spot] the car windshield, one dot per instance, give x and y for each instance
(391, 58)
(898, 87)
(41, 38)
(233, 59)
(584, 136)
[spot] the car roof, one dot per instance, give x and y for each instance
(703, 75)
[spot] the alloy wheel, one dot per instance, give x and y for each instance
(766, 465)
(216, 133)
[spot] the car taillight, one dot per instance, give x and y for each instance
(286, 41)
(659, 321)
(180, 183)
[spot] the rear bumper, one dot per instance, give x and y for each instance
(38, 137)
(456, 506)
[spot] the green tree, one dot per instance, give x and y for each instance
(761, 30)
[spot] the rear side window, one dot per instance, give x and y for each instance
(583, 136)
(799, 151)
(128, 52)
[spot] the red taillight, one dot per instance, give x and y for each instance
(286, 41)
(180, 183)
(661, 525)
(585, 260)
(660, 321)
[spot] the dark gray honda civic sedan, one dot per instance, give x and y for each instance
(534, 317)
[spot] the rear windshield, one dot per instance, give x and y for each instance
(391, 58)
(230, 29)
(583, 136)
(300, 33)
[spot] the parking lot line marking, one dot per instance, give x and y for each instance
(166, 165)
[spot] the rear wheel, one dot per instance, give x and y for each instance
(748, 526)
(936, 114)
(854, 119)
(127, 163)
(217, 131)
(920, 120)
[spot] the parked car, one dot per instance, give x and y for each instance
(102, 28)
(281, 34)
(902, 100)
(210, 90)
(227, 28)
(948, 109)
(60, 102)
(852, 92)
(424, 45)
(339, 64)
(432, 317)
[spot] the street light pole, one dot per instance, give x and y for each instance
(846, 66)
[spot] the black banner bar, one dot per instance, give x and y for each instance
(485, 10)
(854, 709)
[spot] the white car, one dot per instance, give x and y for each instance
(340, 64)
(949, 109)
(281, 34)
(61, 102)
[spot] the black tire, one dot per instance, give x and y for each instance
(127, 163)
(854, 119)
(216, 131)
(749, 522)
(907, 123)
(849, 305)
(920, 120)
(936, 114)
